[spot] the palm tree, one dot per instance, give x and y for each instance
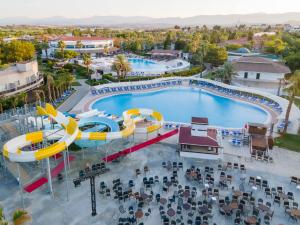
(45, 45)
(293, 90)
(50, 83)
(2, 105)
(20, 217)
(62, 46)
(105, 50)
(14, 101)
(121, 66)
(228, 73)
(87, 61)
(79, 45)
(203, 52)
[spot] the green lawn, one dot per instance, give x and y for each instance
(289, 141)
(297, 102)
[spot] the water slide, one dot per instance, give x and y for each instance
(13, 149)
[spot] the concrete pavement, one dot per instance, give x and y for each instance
(80, 92)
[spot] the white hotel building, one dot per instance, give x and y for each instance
(20, 77)
(91, 45)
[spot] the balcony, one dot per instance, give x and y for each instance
(23, 88)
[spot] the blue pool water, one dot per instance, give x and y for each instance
(146, 65)
(180, 104)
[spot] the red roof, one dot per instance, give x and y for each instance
(185, 137)
(66, 38)
(259, 64)
(200, 120)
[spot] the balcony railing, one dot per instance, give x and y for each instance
(38, 80)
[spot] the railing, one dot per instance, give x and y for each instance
(38, 80)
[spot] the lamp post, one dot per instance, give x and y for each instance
(97, 170)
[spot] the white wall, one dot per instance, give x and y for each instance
(273, 77)
(13, 76)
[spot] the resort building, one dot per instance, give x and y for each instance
(95, 46)
(199, 141)
(259, 72)
(19, 78)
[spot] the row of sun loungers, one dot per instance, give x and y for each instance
(107, 90)
(63, 97)
(235, 133)
(274, 105)
(144, 74)
(171, 126)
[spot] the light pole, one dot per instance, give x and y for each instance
(97, 170)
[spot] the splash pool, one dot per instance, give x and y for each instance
(145, 65)
(180, 104)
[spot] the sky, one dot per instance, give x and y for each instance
(151, 8)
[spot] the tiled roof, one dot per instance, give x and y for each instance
(200, 120)
(185, 137)
(66, 38)
(259, 64)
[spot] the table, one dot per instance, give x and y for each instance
(139, 214)
(283, 196)
(226, 208)
(237, 193)
(263, 207)
(186, 194)
(168, 183)
(144, 196)
(163, 201)
(233, 205)
(203, 209)
(171, 212)
(295, 212)
(251, 219)
(186, 206)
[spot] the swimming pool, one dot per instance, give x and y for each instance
(145, 65)
(180, 104)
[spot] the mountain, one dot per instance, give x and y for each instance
(142, 21)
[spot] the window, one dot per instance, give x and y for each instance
(246, 75)
(257, 76)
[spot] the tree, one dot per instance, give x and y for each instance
(180, 44)
(45, 45)
(293, 90)
(20, 217)
(79, 45)
(67, 54)
(17, 51)
(62, 46)
(106, 50)
(87, 61)
(50, 84)
(168, 41)
(293, 61)
(228, 73)
(216, 55)
(121, 66)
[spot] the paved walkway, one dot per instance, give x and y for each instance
(80, 92)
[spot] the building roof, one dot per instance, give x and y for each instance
(200, 120)
(259, 64)
(185, 137)
(67, 38)
(164, 52)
